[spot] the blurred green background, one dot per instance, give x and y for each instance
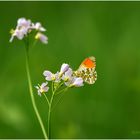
(110, 31)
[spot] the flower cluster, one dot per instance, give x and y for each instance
(63, 77)
(25, 27)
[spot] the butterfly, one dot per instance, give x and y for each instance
(87, 70)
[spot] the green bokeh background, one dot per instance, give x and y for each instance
(110, 31)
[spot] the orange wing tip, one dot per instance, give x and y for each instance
(89, 62)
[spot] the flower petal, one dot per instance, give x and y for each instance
(64, 68)
(22, 22)
(43, 85)
(42, 38)
(78, 82)
(68, 75)
(38, 27)
(48, 75)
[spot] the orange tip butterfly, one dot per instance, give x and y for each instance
(87, 70)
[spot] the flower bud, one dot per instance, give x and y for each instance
(64, 68)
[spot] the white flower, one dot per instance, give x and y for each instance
(37, 26)
(70, 80)
(25, 26)
(43, 88)
(75, 82)
(21, 30)
(64, 68)
(18, 33)
(23, 23)
(78, 82)
(41, 37)
(67, 75)
(57, 77)
(49, 76)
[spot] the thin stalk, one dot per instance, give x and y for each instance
(58, 101)
(49, 115)
(32, 97)
(62, 94)
(59, 86)
(47, 99)
(61, 91)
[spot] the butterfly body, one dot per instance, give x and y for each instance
(87, 70)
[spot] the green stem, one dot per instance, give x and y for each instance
(32, 97)
(59, 86)
(46, 99)
(52, 86)
(62, 92)
(49, 115)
